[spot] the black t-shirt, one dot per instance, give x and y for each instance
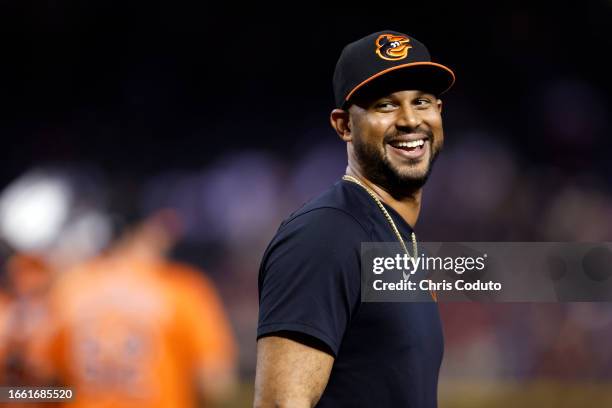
(386, 354)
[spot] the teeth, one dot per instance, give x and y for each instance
(413, 144)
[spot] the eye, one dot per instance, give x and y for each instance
(385, 106)
(423, 102)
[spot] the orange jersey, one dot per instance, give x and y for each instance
(135, 334)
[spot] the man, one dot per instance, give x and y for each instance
(318, 344)
(134, 329)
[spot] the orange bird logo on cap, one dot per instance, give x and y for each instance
(392, 47)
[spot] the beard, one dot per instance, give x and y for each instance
(377, 167)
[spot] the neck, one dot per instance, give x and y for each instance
(407, 204)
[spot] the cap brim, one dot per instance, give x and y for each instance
(423, 76)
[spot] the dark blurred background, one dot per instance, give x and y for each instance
(224, 119)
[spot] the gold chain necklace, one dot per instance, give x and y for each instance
(392, 224)
(387, 216)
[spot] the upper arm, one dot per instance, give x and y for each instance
(289, 373)
(309, 288)
(310, 277)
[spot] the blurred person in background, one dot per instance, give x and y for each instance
(134, 329)
(47, 223)
(112, 319)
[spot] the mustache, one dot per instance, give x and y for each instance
(391, 136)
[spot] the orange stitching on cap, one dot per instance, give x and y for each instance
(402, 66)
(393, 48)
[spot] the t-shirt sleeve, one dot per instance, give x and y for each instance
(310, 276)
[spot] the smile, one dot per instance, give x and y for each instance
(411, 145)
(413, 149)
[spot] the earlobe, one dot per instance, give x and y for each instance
(439, 102)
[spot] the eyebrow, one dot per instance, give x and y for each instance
(419, 94)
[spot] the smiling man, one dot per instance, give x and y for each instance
(318, 344)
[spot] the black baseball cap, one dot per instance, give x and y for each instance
(387, 60)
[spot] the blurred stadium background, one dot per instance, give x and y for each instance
(190, 136)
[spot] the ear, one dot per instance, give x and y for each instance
(439, 103)
(340, 121)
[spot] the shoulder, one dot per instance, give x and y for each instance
(188, 283)
(324, 233)
(322, 221)
(339, 209)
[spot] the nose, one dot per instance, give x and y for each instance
(409, 118)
